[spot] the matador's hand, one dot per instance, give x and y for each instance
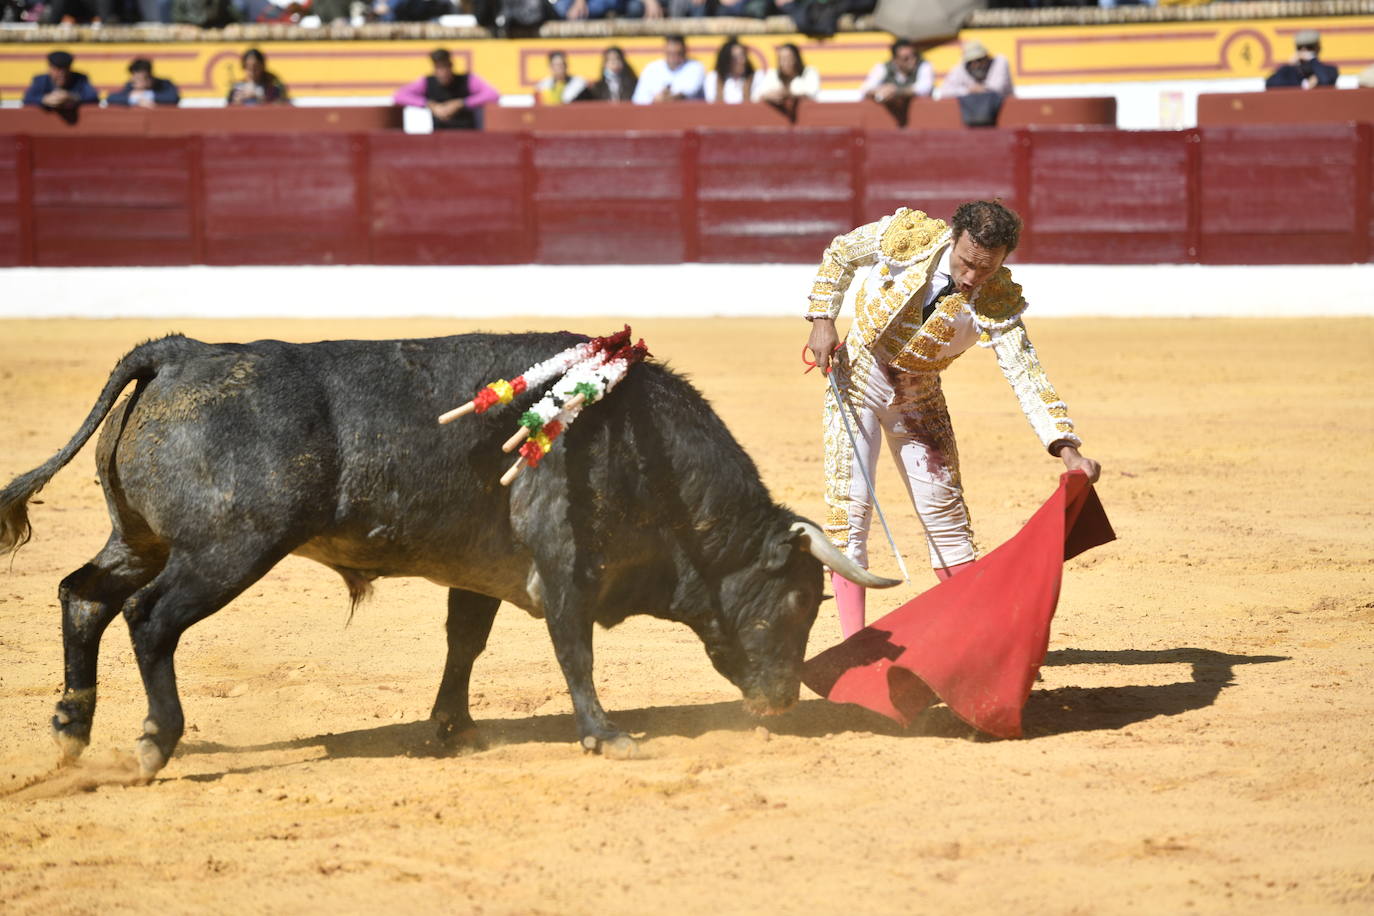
(823, 342)
(1073, 461)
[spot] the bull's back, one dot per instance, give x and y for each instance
(328, 449)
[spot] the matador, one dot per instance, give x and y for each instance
(929, 292)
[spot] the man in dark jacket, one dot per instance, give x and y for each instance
(143, 90)
(1304, 71)
(60, 88)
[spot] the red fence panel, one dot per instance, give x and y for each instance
(610, 198)
(937, 170)
(126, 200)
(282, 199)
(10, 222)
(1282, 194)
(449, 198)
(1109, 197)
(773, 195)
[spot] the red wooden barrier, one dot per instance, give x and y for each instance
(1109, 197)
(610, 198)
(1286, 194)
(937, 170)
(182, 122)
(773, 195)
(449, 198)
(1284, 106)
(127, 201)
(11, 232)
(282, 199)
(1244, 195)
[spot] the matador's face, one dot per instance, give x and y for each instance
(971, 264)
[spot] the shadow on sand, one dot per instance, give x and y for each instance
(1062, 710)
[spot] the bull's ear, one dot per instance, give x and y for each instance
(777, 550)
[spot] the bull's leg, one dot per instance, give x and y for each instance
(570, 626)
(470, 617)
(189, 589)
(91, 598)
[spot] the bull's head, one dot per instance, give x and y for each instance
(769, 606)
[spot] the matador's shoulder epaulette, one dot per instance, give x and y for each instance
(910, 237)
(999, 304)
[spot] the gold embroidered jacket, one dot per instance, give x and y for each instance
(901, 253)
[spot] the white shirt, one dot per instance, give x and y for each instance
(938, 278)
(735, 90)
(808, 85)
(685, 81)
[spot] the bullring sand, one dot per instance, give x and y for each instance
(1199, 741)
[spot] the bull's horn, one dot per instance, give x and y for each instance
(819, 546)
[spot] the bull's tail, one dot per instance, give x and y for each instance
(139, 365)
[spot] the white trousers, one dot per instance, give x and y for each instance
(908, 408)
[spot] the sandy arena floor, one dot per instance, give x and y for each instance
(1200, 741)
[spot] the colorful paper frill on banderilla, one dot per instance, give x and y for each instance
(585, 373)
(975, 641)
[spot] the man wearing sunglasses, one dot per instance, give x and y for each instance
(1304, 71)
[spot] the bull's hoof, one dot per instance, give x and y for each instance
(69, 744)
(619, 747)
(151, 758)
(72, 736)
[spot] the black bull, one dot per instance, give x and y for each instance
(227, 457)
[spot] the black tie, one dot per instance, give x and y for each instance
(934, 303)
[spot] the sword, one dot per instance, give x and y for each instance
(840, 402)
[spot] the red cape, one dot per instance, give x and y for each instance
(975, 641)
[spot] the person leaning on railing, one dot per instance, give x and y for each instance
(259, 86)
(618, 79)
(734, 80)
(789, 82)
(143, 90)
(61, 88)
(452, 98)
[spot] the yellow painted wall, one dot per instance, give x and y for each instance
(1069, 54)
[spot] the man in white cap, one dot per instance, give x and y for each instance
(1304, 71)
(980, 72)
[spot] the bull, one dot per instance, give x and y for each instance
(225, 458)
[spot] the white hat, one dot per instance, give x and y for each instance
(974, 50)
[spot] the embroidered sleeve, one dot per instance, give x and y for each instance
(1048, 415)
(855, 249)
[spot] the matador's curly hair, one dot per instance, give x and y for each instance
(989, 223)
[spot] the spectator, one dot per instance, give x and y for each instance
(558, 88)
(258, 86)
(143, 90)
(1366, 78)
(978, 73)
(671, 78)
(618, 79)
(789, 82)
(902, 78)
(455, 99)
(598, 9)
(686, 9)
(734, 80)
(61, 88)
(67, 12)
(745, 9)
(1304, 71)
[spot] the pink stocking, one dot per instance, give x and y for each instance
(949, 573)
(849, 599)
